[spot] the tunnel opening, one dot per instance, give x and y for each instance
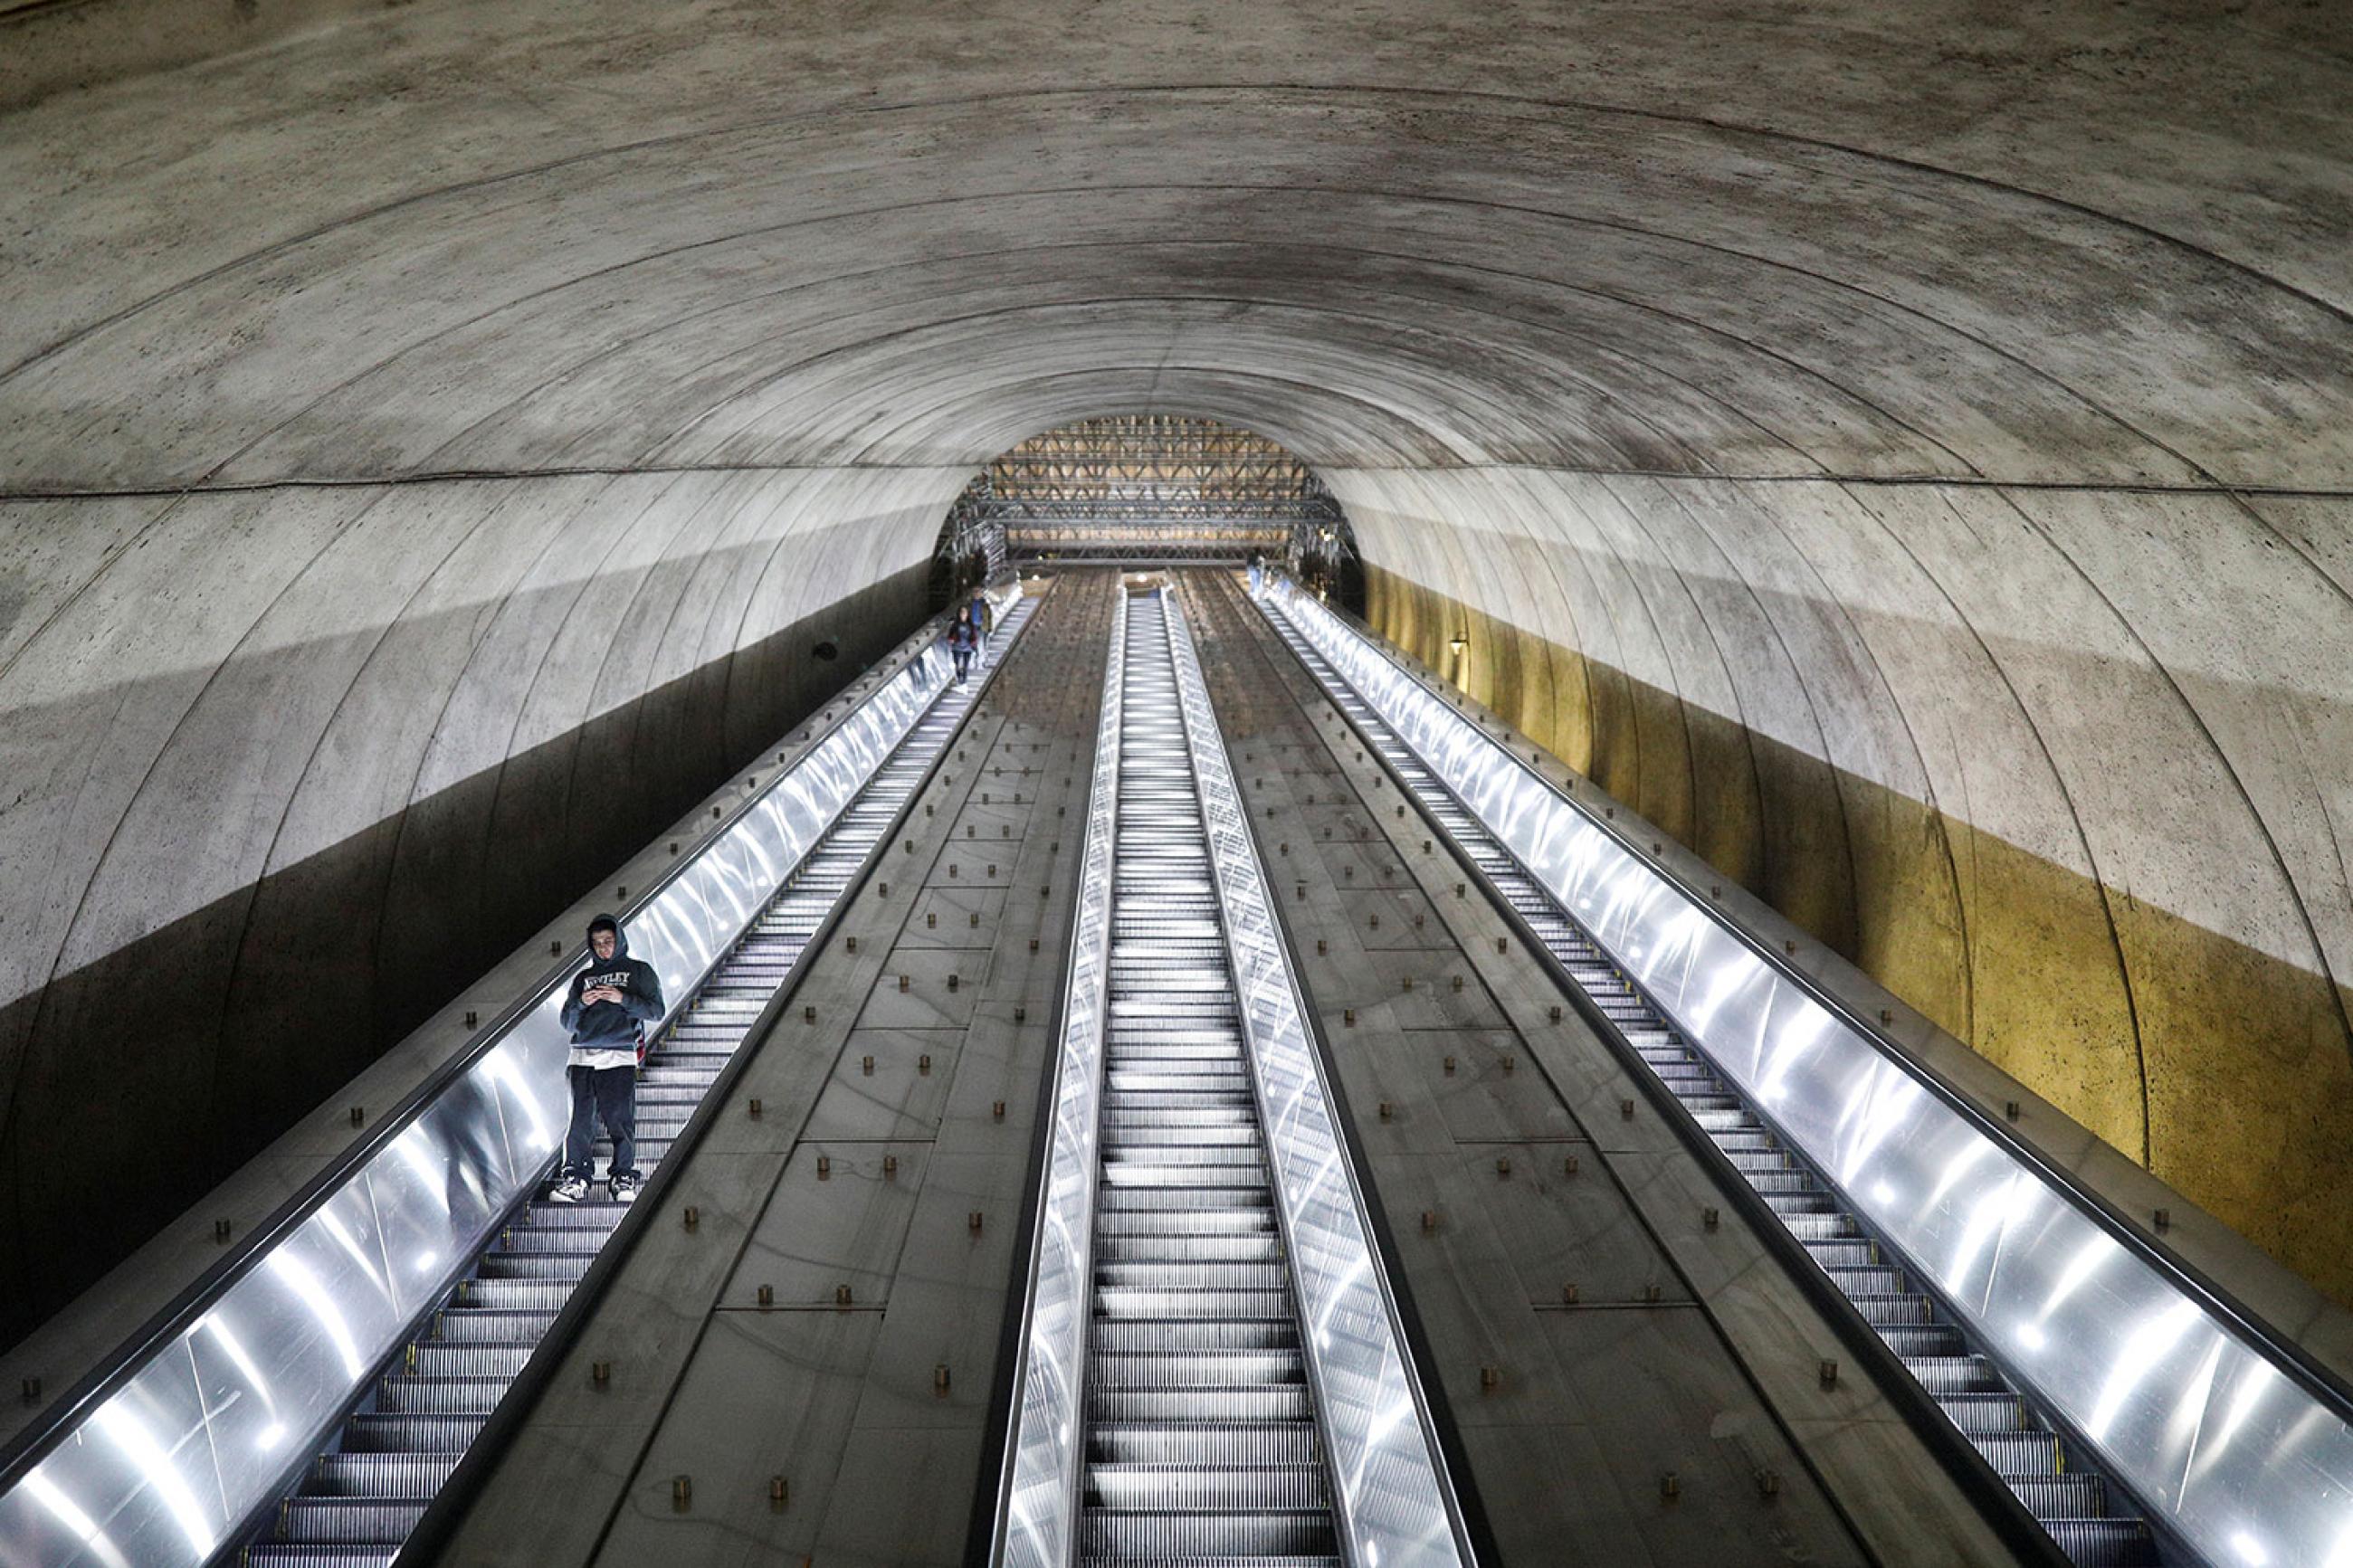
(1144, 491)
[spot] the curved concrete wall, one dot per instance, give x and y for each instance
(1904, 449)
(287, 768)
(2067, 770)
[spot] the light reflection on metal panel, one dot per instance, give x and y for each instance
(1394, 1502)
(192, 1439)
(1037, 1505)
(2245, 1465)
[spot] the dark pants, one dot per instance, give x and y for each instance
(610, 1093)
(963, 660)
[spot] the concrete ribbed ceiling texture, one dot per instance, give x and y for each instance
(1904, 449)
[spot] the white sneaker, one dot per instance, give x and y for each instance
(624, 1189)
(570, 1190)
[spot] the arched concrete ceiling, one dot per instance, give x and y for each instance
(1902, 448)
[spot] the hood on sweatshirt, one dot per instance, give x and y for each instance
(620, 937)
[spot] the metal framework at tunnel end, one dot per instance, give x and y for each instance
(1145, 489)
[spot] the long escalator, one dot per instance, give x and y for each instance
(343, 1325)
(2058, 1485)
(366, 1489)
(2138, 1415)
(1198, 1207)
(1200, 1433)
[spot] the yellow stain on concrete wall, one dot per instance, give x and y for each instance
(2225, 1071)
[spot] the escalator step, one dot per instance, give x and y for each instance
(1932, 1341)
(1237, 1220)
(1843, 1253)
(504, 1361)
(1987, 1414)
(1744, 1140)
(1219, 1153)
(512, 1267)
(1819, 1225)
(1257, 1247)
(410, 1434)
(1185, 1178)
(1208, 1278)
(1953, 1374)
(1787, 1205)
(1255, 1488)
(1192, 1338)
(2104, 1543)
(1208, 1444)
(1877, 1280)
(2023, 1456)
(378, 1474)
(1169, 1200)
(1130, 1047)
(490, 1325)
(1190, 1537)
(1196, 1120)
(407, 1396)
(1273, 1402)
(590, 1213)
(551, 1241)
(519, 1295)
(343, 1522)
(2064, 1497)
(1223, 1369)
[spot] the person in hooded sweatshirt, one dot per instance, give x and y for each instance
(608, 1009)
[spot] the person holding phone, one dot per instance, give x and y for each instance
(608, 1009)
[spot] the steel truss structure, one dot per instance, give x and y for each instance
(1144, 488)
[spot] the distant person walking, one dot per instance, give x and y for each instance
(980, 619)
(610, 1003)
(964, 640)
(1257, 574)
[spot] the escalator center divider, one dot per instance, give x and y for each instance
(427, 1427)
